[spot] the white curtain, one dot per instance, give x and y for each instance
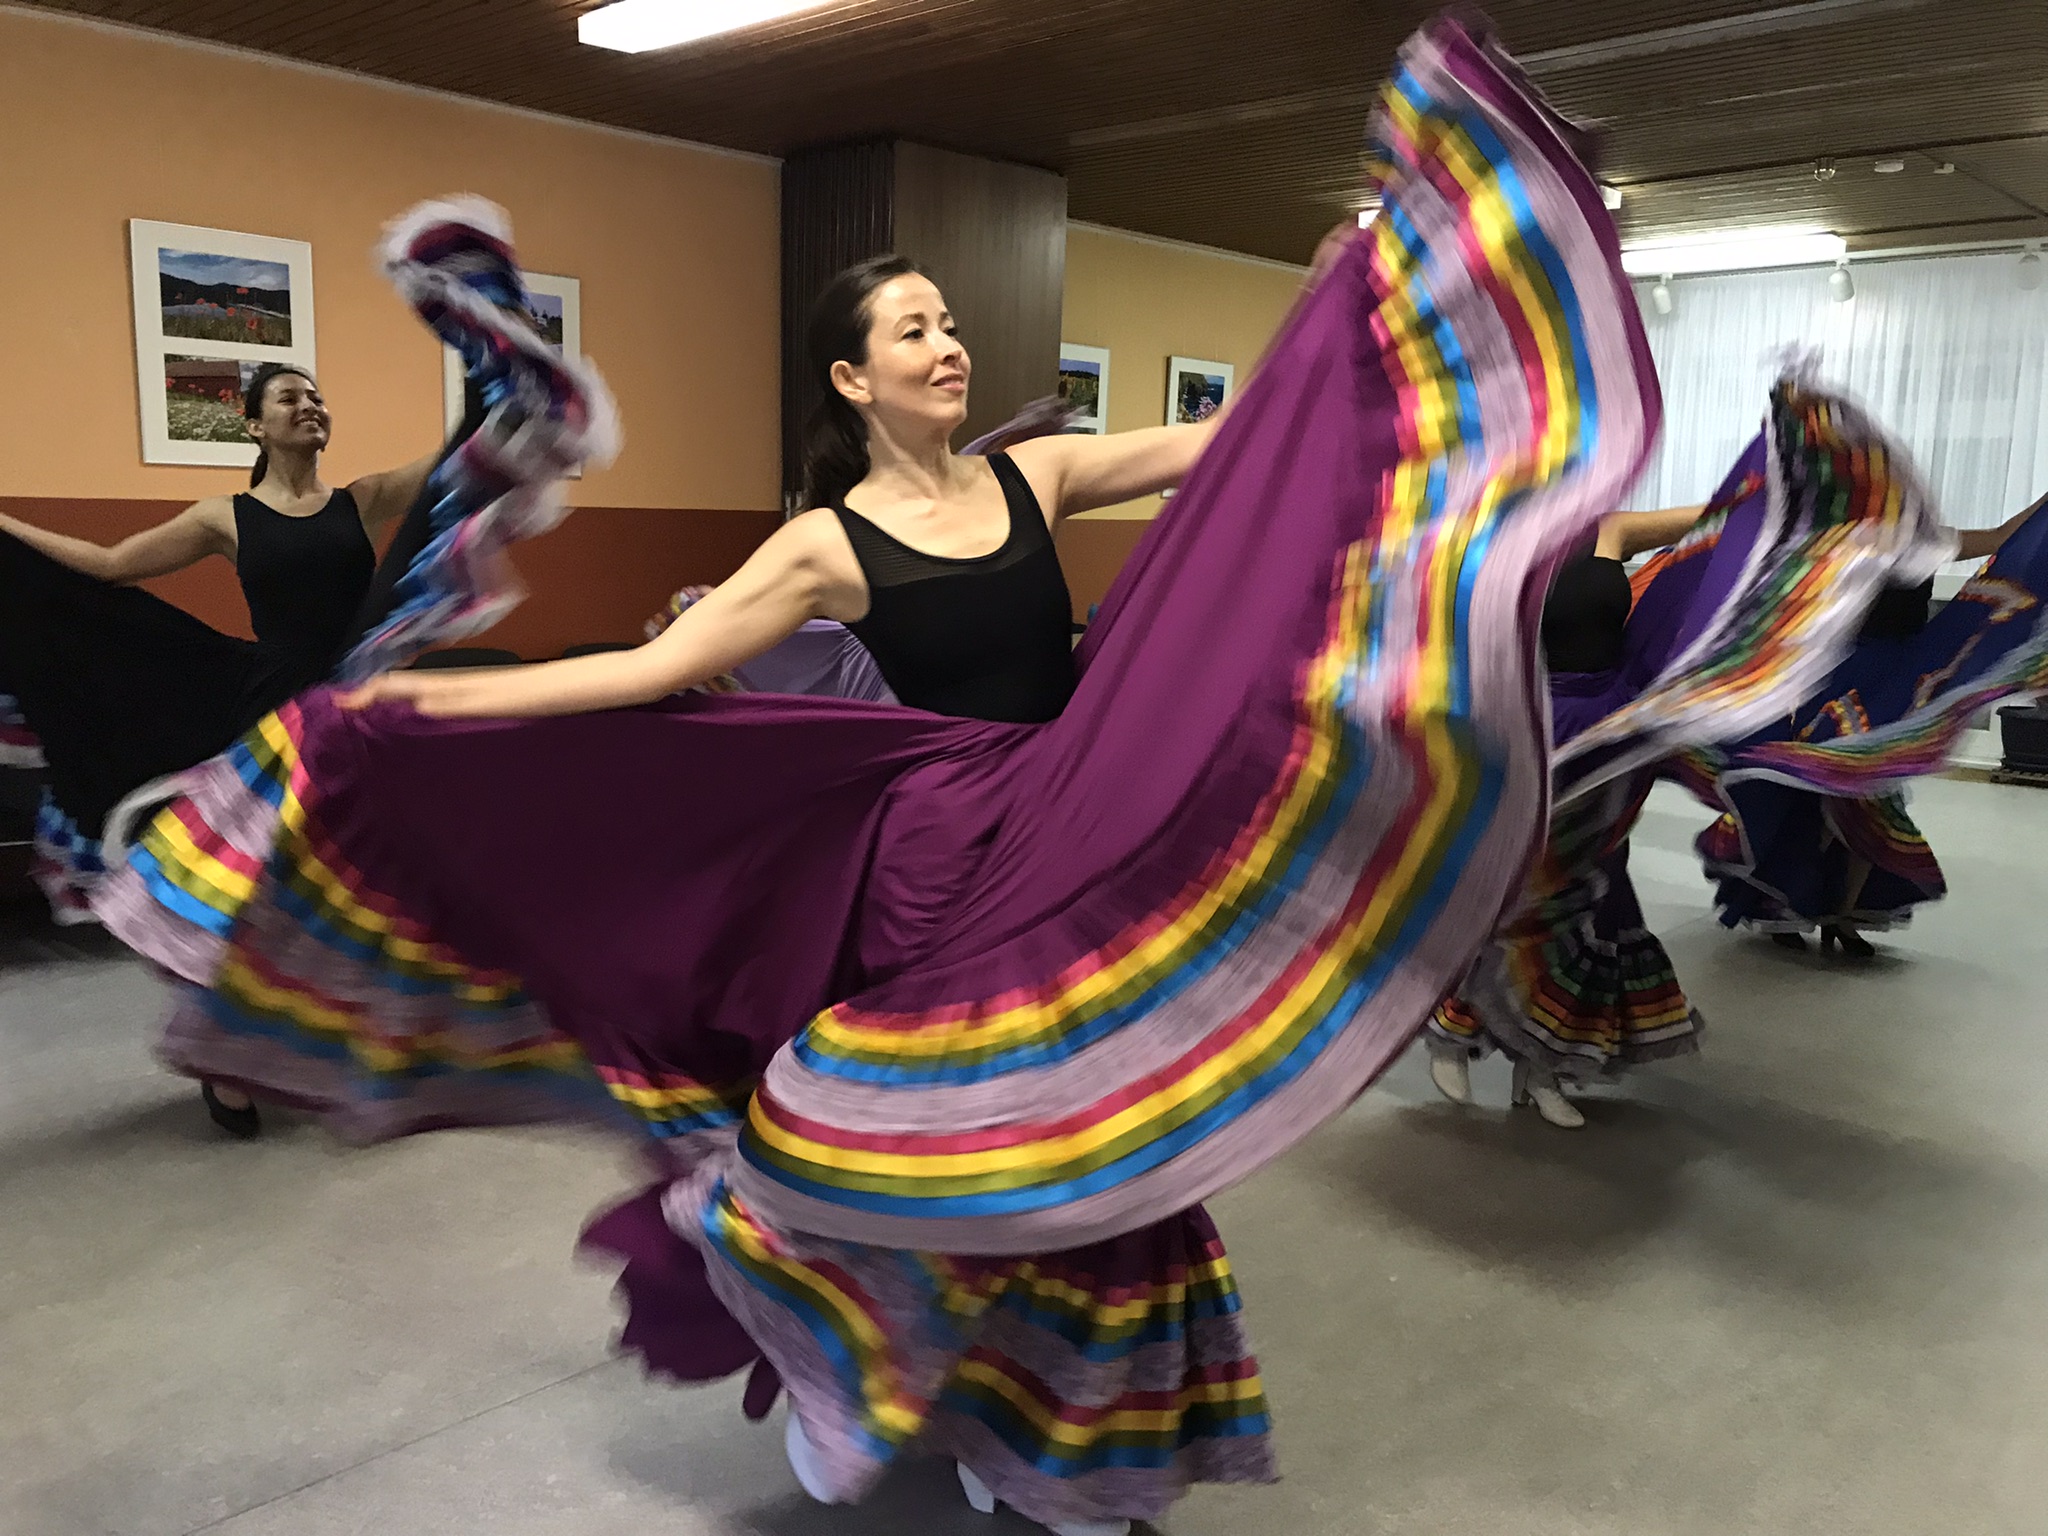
(1946, 351)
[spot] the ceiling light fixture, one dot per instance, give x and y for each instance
(640, 26)
(2029, 274)
(1367, 214)
(1889, 167)
(1734, 251)
(1660, 296)
(1841, 286)
(1610, 198)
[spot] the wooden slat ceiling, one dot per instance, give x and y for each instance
(1237, 123)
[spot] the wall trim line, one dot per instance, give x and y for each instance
(1187, 245)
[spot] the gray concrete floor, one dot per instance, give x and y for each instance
(1798, 1285)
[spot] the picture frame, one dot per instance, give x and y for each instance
(1084, 386)
(1196, 389)
(558, 312)
(211, 307)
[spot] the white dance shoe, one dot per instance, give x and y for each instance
(803, 1461)
(1534, 1085)
(1452, 1075)
(984, 1503)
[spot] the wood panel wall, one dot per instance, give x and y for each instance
(993, 235)
(838, 207)
(994, 238)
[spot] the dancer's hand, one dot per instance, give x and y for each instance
(419, 689)
(1333, 246)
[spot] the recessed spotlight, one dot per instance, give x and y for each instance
(1823, 170)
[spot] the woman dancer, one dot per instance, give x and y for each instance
(1785, 861)
(942, 566)
(1757, 600)
(1640, 1012)
(131, 687)
(1813, 830)
(1059, 977)
(119, 687)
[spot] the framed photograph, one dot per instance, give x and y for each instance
(211, 306)
(1196, 390)
(1084, 385)
(555, 306)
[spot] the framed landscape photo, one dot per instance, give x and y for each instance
(1084, 386)
(1196, 389)
(211, 307)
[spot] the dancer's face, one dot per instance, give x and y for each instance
(916, 370)
(293, 415)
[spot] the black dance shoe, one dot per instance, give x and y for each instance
(244, 1124)
(1852, 944)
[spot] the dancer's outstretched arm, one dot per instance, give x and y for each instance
(1079, 472)
(1978, 543)
(203, 529)
(804, 571)
(1623, 535)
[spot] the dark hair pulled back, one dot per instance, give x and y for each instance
(835, 457)
(252, 407)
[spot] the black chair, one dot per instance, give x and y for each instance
(20, 794)
(2023, 729)
(596, 648)
(470, 656)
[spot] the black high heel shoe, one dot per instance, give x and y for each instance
(244, 1124)
(1851, 943)
(1789, 940)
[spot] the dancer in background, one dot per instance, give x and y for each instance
(1787, 861)
(1638, 1011)
(115, 687)
(935, 1016)
(1813, 831)
(122, 695)
(1760, 599)
(120, 686)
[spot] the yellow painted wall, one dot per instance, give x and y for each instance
(676, 247)
(1148, 300)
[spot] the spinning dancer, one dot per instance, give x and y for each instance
(1813, 830)
(935, 1014)
(120, 686)
(1585, 620)
(115, 687)
(1786, 860)
(118, 689)
(1755, 603)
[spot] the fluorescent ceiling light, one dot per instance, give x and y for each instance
(1735, 250)
(639, 26)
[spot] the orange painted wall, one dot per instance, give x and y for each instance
(1148, 300)
(676, 247)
